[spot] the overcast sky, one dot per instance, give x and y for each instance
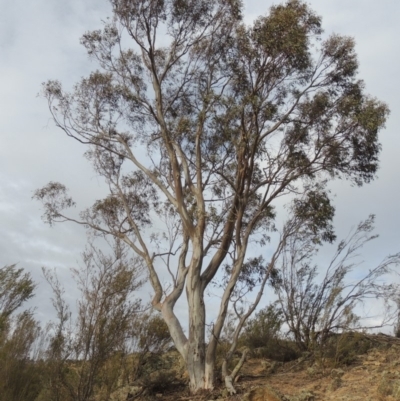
(39, 40)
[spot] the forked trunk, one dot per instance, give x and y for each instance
(229, 378)
(200, 371)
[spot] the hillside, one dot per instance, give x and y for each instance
(368, 371)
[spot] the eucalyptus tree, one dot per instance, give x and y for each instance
(198, 123)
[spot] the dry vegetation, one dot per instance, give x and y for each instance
(370, 371)
(199, 136)
(50, 365)
(306, 346)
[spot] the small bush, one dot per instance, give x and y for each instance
(389, 385)
(280, 350)
(263, 337)
(344, 348)
(263, 328)
(20, 367)
(161, 372)
(96, 339)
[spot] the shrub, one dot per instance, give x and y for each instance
(84, 351)
(315, 308)
(263, 328)
(20, 335)
(262, 335)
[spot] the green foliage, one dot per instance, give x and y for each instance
(161, 371)
(263, 328)
(347, 346)
(79, 358)
(153, 334)
(15, 288)
(317, 212)
(286, 32)
(93, 346)
(20, 371)
(262, 335)
(20, 334)
(149, 338)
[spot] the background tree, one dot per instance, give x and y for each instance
(198, 124)
(316, 307)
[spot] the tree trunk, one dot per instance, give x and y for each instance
(209, 372)
(195, 366)
(195, 358)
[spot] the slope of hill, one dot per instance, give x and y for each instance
(370, 371)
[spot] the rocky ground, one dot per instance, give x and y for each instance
(373, 375)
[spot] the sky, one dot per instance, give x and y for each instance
(39, 40)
